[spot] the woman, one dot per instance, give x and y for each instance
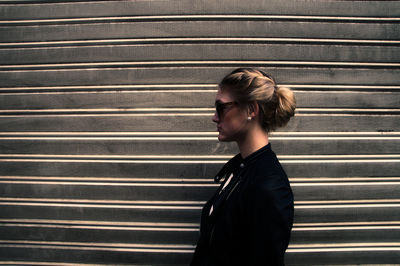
(249, 219)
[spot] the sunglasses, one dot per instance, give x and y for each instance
(221, 107)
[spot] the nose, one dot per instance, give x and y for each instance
(215, 118)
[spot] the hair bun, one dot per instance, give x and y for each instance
(285, 107)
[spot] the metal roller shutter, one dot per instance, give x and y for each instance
(107, 148)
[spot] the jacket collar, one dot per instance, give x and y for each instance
(238, 161)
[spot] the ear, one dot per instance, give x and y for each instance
(253, 109)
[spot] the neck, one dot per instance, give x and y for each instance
(253, 141)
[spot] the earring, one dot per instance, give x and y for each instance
(249, 118)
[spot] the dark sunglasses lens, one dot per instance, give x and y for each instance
(219, 108)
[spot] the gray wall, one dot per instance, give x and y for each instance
(107, 149)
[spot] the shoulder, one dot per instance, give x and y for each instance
(267, 170)
(267, 180)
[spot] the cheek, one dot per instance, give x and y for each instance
(234, 122)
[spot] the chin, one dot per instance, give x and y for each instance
(223, 138)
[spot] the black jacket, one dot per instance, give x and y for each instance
(248, 220)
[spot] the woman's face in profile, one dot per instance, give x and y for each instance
(230, 117)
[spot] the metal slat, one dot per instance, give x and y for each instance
(212, 28)
(23, 9)
(188, 212)
(187, 122)
(186, 189)
(142, 145)
(197, 75)
(179, 234)
(198, 40)
(228, 50)
(164, 63)
(190, 169)
(153, 18)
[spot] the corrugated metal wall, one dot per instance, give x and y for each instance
(107, 149)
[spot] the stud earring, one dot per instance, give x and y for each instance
(249, 118)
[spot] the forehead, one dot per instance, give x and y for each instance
(223, 96)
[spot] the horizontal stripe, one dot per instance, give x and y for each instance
(343, 228)
(346, 249)
(116, 138)
(196, 157)
(148, 182)
(190, 225)
(100, 225)
(294, 180)
(82, 248)
(127, 184)
(323, 245)
(193, 161)
(130, 245)
(178, 229)
(189, 109)
(200, 39)
(211, 92)
(110, 179)
(164, 202)
(112, 115)
(155, 87)
(47, 263)
(117, 133)
(97, 227)
(311, 202)
(114, 161)
(82, 203)
(202, 17)
(334, 86)
(209, 115)
(366, 110)
(375, 246)
(346, 206)
(347, 201)
(191, 63)
(187, 87)
(188, 133)
(84, 110)
(337, 161)
(119, 184)
(348, 115)
(111, 227)
(98, 246)
(289, 250)
(360, 223)
(207, 136)
(327, 184)
(122, 114)
(142, 91)
(353, 156)
(107, 206)
(84, 182)
(343, 179)
(125, 138)
(333, 138)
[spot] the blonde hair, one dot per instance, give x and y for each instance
(276, 103)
